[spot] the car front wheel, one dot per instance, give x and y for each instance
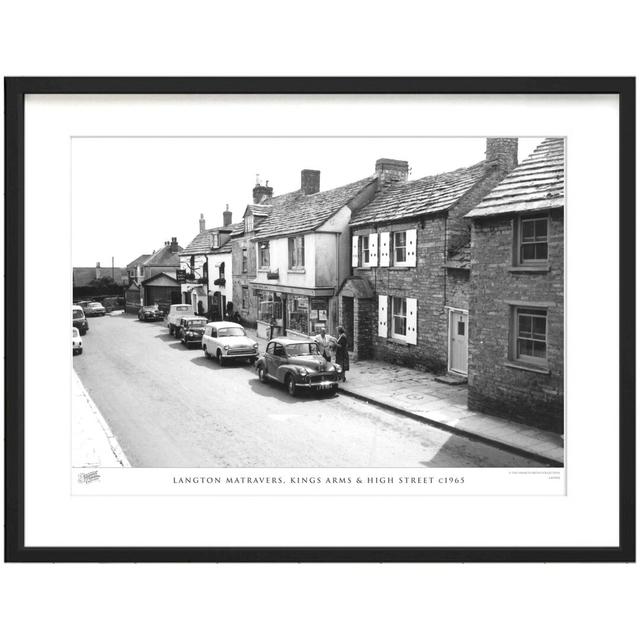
(262, 376)
(291, 386)
(220, 358)
(206, 353)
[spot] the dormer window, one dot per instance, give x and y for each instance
(215, 240)
(248, 224)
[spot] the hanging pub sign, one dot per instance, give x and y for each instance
(181, 276)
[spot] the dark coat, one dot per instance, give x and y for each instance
(342, 355)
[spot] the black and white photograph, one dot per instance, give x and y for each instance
(317, 302)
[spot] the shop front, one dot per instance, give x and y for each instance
(294, 311)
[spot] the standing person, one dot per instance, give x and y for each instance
(342, 355)
(324, 344)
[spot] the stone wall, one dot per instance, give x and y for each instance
(534, 397)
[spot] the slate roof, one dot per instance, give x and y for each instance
(201, 244)
(536, 183)
(295, 212)
(139, 260)
(430, 194)
(164, 258)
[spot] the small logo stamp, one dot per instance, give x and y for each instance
(88, 476)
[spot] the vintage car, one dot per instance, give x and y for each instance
(228, 341)
(297, 364)
(76, 341)
(191, 329)
(176, 311)
(94, 309)
(78, 319)
(150, 313)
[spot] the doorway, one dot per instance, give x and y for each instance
(347, 319)
(458, 341)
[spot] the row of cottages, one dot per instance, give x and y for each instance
(293, 253)
(152, 278)
(407, 301)
(208, 270)
(516, 309)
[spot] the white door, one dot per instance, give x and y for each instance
(458, 341)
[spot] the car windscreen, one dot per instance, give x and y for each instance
(184, 307)
(196, 323)
(95, 304)
(228, 332)
(149, 308)
(302, 349)
(77, 314)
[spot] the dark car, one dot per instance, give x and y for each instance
(150, 313)
(297, 364)
(78, 319)
(191, 330)
(94, 309)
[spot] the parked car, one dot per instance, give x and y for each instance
(94, 309)
(113, 304)
(76, 341)
(191, 330)
(82, 303)
(176, 312)
(150, 313)
(298, 364)
(79, 320)
(228, 341)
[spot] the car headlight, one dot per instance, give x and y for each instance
(255, 345)
(338, 368)
(226, 347)
(301, 371)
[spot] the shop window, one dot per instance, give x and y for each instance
(269, 306)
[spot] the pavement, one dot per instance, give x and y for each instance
(418, 395)
(93, 444)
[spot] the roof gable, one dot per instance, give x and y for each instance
(164, 258)
(536, 183)
(201, 244)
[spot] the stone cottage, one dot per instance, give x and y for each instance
(516, 309)
(407, 301)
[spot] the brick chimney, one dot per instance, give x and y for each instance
(502, 152)
(390, 171)
(98, 271)
(309, 181)
(226, 217)
(174, 245)
(202, 223)
(261, 193)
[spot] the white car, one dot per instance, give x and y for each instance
(176, 311)
(94, 309)
(228, 341)
(76, 341)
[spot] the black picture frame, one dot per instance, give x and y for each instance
(15, 91)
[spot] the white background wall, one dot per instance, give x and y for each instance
(373, 601)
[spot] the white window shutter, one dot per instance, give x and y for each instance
(384, 249)
(354, 251)
(412, 320)
(382, 316)
(373, 249)
(411, 247)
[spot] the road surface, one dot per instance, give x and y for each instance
(169, 406)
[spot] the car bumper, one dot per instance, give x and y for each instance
(242, 356)
(323, 384)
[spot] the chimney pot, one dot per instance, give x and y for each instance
(502, 152)
(202, 223)
(174, 245)
(389, 171)
(226, 217)
(309, 181)
(261, 193)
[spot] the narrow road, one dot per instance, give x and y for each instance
(169, 406)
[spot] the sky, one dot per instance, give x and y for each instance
(131, 195)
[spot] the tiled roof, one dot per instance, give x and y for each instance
(164, 278)
(139, 260)
(425, 195)
(202, 242)
(536, 183)
(164, 258)
(296, 212)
